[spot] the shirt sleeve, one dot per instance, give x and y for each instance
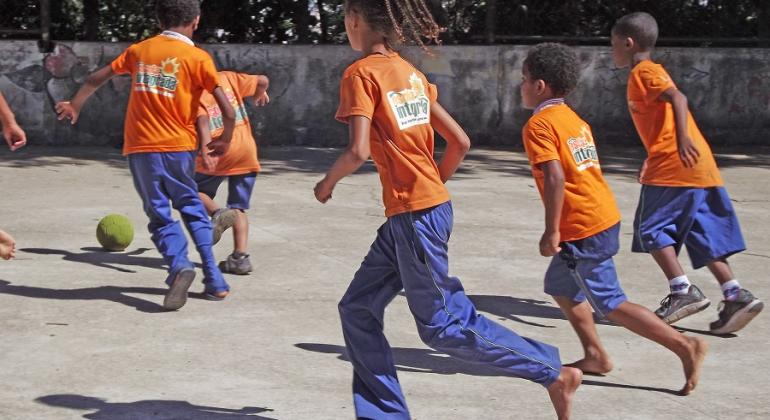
(358, 96)
(654, 81)
(540, 144)
(432, 93)
(246, 83)
(123, 63)
(209, 77)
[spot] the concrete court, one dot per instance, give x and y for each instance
(82, 334)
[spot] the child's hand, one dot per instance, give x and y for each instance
(688, 153)
(642, 170)
(218, 147)
(323, 191)
(67, 111)
(209, 161)
(14, 136)
(7, 246)
(261, 99)
(549, 244)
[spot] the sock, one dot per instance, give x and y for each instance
(679, 285)
(731, 289)
(239, 255)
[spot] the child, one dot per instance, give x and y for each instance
(391, 110)
(239, 165)
(169, 75)
(16, 139)
(683, 201)
(582, 221)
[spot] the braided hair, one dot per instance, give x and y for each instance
(399, 21)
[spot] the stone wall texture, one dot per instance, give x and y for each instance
(728, 91)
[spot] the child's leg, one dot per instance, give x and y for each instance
(595, 359)
(240, 189)
(691, 350)
(210, 205)
(668, 261)
(7, 246)
(447, 320)
(376, 391)
(241, 232)
(184, 193)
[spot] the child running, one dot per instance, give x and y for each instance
(582, 221)
(169, 74)
(239, 165)
(683, 200)
(16, 139)
(391, 110)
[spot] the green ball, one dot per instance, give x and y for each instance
(115, 232)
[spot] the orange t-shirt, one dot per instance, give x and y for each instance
(241, 157)
(168, 76)
(397, 98)
(655, 123)
(558, 133)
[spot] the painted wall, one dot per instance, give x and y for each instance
(728, 91)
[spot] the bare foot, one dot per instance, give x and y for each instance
(562, 391)
(692, 363)
(593, 365)
(7, 246)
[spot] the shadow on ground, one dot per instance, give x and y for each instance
(148, 409)
(100, 258)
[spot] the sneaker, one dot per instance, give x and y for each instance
(240, 265)
(735, 314)
(675, 307)
(176, 296)
(222, 220)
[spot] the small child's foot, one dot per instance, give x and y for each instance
(562, 391)
(7, 246)
(692, 363)
(222, 220)
(593, 366)
(215, 296)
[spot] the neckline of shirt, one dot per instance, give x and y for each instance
(548, 103)
(178, 36)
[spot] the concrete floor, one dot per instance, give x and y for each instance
(82, 334)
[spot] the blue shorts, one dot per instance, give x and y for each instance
(584, 270)
(239, 188)
(701, 219)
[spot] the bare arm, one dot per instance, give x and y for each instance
(14, 135)
(553, 200)
(204, 137)
(688, 153)
(220, 145)
(351, 159)
(458, 142)
(71, 109)
(260, 96)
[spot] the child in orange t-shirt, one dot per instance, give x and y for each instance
(169, 74)
(392, 111)
(239, 165)
(16, 138)
(683, 200)
(582, 221)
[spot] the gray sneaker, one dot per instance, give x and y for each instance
(236, 265)
(735, 314)
(222, 220)
(675, 307)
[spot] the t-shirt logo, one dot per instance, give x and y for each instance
(583, 149)
(158, 79)
(216, 121)
(410, 106)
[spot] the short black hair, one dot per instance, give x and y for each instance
(173, 13)
(555, 64)
(639, 26)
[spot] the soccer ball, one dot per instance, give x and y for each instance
(115, 232)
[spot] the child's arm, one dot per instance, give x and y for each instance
(204, 137)
(71, 109)
(220, 145)
(688, 153)
(351, 159)
(553, 199)
(458, 142)
(14, 135)
(260, 97)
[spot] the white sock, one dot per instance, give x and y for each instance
(679, 285)
(731, 289)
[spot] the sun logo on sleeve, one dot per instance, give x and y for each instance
(583, 149)
(410, 106)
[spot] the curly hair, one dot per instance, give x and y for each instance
(555, 64)
(399, 21)
(173, 13)
(639, 26)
